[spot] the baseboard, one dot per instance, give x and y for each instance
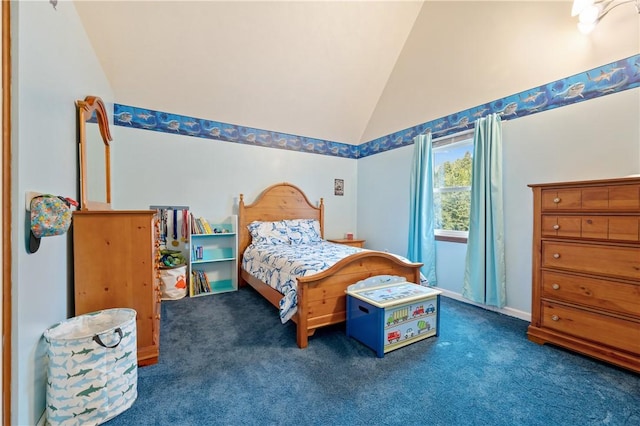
(526, 316)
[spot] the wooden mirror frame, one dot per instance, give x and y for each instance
(86, 109)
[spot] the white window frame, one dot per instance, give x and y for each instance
(440, 143)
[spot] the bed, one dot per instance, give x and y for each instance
(321, 298)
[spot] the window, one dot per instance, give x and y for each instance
(452, 158)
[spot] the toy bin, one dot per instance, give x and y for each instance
(92, 371)
(387, 312)
(173, 282)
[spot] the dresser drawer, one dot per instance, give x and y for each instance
(621, 262)
(596, 293)
(618, 228)
(599, 328)
(602, 198)
(561, 199)
(624, 228)
(625, 197)
(561, 226)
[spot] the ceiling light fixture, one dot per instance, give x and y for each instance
(590, 12)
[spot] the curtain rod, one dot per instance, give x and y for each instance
(457, 137)
(453, 138)
(169, 207)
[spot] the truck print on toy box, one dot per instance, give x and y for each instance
(409, 321)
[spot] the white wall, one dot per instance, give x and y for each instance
(383, 200)
(596, 139)
(52, 68)
(152, 168)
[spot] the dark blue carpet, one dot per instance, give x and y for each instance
(226, 359)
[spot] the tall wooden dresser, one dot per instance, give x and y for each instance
(586, 268)
(116, 266)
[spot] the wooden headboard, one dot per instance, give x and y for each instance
(277, 202)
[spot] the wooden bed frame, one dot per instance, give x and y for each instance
(321, 297)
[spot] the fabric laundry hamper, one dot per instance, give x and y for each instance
(173, 282)
(92, 372)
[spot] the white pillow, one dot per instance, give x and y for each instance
(303, 231)
(268, 232)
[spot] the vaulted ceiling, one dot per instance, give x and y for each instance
(312, 68)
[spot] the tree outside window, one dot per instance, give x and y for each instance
(452, 185)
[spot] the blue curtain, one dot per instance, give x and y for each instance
(422, 242)
(484, 275)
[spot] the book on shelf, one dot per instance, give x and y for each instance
(200, 282)
(195, 228)
(205, 225)
(200, 225)
(197, 253)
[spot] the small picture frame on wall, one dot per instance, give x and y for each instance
(338, 187)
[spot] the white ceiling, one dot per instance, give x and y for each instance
(314, 69)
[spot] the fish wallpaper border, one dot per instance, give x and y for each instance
(147, 119)
(607, 79)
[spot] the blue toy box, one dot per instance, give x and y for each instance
(386, 313)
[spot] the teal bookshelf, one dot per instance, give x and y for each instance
(213, 258)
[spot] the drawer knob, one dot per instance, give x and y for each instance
(555, 286)
(556, 200)
(556, 255)
(555, 317)
(556, 226)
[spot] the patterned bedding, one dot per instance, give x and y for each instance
(278, 265)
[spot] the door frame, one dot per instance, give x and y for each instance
(5, 374)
